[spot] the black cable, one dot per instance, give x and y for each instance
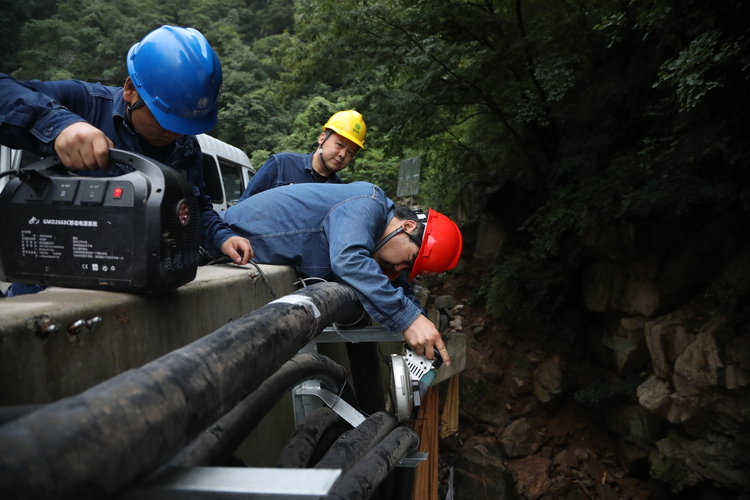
(306, 438)
(129, 425)
(265, 280)
(226, 260)
(14, 171)
(366, 474)
(222, 438)
(358, 442)
(304, 281)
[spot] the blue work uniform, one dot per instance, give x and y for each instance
(33, 113)
(286, 168)
(327, 231)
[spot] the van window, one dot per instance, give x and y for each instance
(231, 173)
(212, 180)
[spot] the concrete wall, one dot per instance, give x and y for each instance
(39, 364)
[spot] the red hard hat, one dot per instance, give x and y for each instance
(441, 246)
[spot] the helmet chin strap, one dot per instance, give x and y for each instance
(323, 162)
(388, 238)
(392, 234)
(320, 153)
(395, 274)
(132, 107)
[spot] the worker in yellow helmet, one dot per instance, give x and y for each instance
(343, 135)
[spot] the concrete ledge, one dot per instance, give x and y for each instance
(456, 344)
(43, 357)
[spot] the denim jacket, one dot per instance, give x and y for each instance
(327, 231)
(33, 113)
(282, 169)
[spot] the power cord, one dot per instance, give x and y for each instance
(226, 260)
(13, 171)
(303, 282)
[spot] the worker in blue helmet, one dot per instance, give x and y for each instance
(177, 76)
(171, 93)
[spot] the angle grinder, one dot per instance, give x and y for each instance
(411, 375)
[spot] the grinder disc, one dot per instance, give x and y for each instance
(401, 392)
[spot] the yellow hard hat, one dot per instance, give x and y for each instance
(348, 124)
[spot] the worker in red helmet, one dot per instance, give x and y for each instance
(353, 234)
(439, 241)
(342, 137)
(171, 93)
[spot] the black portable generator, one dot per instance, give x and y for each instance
(137, 232)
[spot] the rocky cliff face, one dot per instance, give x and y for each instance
(651, 400)
(696, 358)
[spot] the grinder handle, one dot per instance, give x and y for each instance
(436, 362)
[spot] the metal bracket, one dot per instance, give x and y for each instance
(338, 405)
(354, 418)
(413, 459)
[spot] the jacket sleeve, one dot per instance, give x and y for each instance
(31, 114)
(402, 282)
(213, 228)
(214, 231)
(263, 180)
(350, 229)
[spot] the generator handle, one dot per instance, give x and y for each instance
(153, 173)
(139, 162)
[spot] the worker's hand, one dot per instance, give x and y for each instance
(422, 335)
(238, 249)
(81, 146)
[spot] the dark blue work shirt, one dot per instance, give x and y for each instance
(33, 113)
(286, 168)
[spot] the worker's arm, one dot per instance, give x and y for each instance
(351, 231)
(40, 117)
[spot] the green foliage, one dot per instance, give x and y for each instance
(372, 165)
(592, 113)
(13, 15)
(691, 70)
(600, 392)
(259, 157)
(583, 116)
(519, 287)
(669, 466)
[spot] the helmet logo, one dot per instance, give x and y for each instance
(201, 106)
(356, 128)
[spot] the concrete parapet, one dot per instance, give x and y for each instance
(62, 341)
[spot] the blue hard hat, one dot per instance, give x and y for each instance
(178, 76)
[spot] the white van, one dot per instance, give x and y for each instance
(13, 158)
(226, 169)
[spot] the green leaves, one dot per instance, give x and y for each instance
(592, 113)
(693, 70)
